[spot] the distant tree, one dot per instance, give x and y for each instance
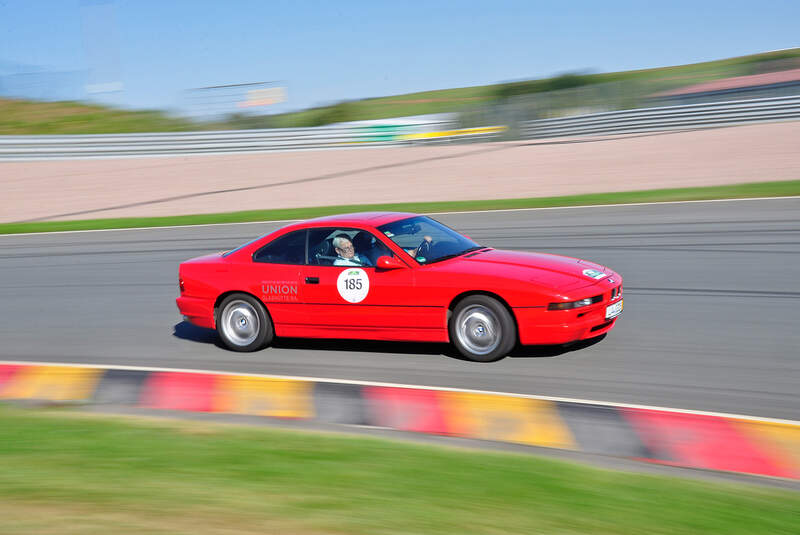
(338, 113)
(242, 121)
(563, 81)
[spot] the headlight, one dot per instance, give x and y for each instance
(575, 304)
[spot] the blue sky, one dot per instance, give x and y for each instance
(324, 52)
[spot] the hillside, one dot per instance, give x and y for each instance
(23, 117)
(26, 117)
(450, 100)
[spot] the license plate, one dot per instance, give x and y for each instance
(612, 311)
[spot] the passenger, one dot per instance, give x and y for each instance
(346, 253)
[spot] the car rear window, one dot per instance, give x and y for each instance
(287, 249)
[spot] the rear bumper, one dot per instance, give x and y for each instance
(542, 326)
(197, 311)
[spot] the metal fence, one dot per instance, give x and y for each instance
(352, 136)
(666, 118)
(78, 146)
(278, 139)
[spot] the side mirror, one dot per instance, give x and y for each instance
(389, 262)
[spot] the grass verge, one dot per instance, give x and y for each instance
(68, 473)
(755, 189)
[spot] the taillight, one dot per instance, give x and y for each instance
(180, 284)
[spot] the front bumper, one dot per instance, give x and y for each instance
(542, 326)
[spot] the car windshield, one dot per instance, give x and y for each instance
(426, 240)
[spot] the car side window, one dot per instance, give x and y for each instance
(371, 247)
(320, 247)
(287, 249)
(361, 247)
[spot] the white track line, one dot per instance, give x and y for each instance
(429, 213)
(616, 205)
(417, 387)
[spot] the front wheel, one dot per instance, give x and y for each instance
(482, 329)
(243, 323)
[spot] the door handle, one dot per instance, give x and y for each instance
(312, 280)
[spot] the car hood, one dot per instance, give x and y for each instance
(561, 272)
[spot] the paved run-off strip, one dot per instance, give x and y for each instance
(666, 436)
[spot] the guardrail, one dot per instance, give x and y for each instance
(117, 145)
(349, 136)
(666, 118)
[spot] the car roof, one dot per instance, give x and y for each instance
(374, 219)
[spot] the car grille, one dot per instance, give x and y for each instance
(601, 326)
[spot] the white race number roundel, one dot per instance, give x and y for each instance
(353, 285)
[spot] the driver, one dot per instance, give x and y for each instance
(346, 253)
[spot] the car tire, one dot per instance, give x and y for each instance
(243, 323)
(482, 329)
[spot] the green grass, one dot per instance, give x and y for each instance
(72, 473)
(22, 117)
(756, 189)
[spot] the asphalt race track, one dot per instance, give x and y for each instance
(710, 322)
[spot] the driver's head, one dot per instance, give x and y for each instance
(343, 246)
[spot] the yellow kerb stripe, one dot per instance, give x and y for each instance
(508, 419)
(276, 398)
(458, 132)
(54, 383)
(780, 441)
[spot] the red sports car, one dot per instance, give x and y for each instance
(395, 276)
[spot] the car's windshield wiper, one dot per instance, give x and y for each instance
(453, 255)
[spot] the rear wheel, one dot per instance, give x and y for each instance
(243, 323)
(482, 329)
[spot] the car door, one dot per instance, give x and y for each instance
(356, 301)
(274, 276)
